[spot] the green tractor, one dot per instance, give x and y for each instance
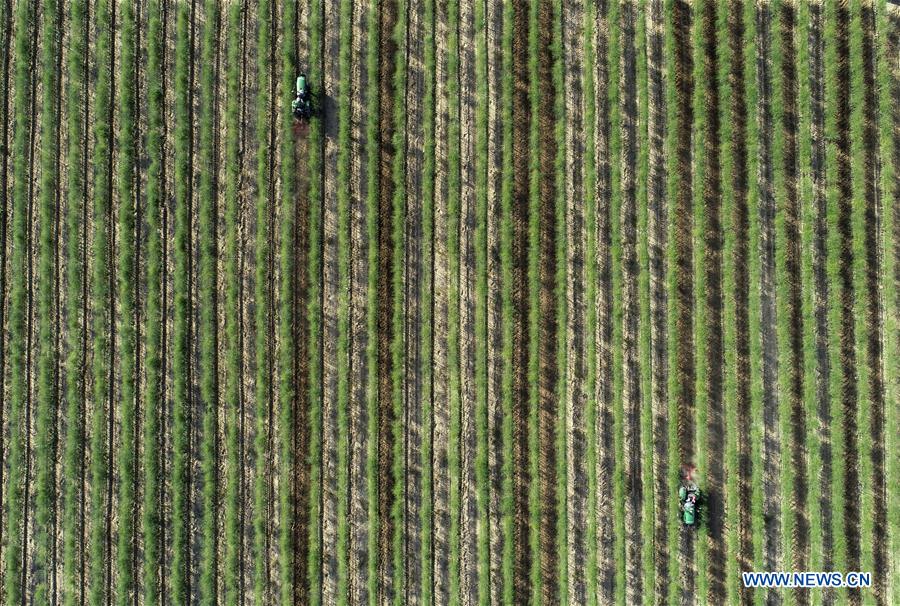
(689, 498)
(301, 106)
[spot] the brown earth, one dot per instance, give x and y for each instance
(441, 431)
(361, 375)
(848, 391)
(631, 369)
(521, 120)
(547, 333)
(386, 65)
(604, 422)
(576, 382)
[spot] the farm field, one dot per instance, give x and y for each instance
(456, 337)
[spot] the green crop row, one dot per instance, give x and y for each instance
(126, 552)
(262, 490)
(154, 392)
(232, 390)
(287, 319)
(48, 351)
(73, 485)
(102, 296)
(20, 400)
(208, 301)
(182, 484)
(373, 102)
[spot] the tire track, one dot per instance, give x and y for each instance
(800, 544)
(576, 397)
(741, 225)
(362, 376)
(683, 275)
(604, 395)
(874, 318)
(415, 386)
(301, 472)
(330, 294)
(470, 523)
(821, 289)
(657, 228)
(771, 446)
(631, 370)
(712, 234)
(441, 430)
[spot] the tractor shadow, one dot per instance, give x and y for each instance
(325, 107)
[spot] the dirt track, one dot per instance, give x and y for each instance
(771, 443)
(362, 375)
(657, 228)
(576, 396)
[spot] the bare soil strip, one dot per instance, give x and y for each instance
(874, 316)
(683, 277)
(441, 430)
(328, 108)
(771, 446)
(604, 394)
(521, 123)
(386, 64)
(469, 520)
(657, 233)
(800, 543)
(631, 371)
(848, 392)
(495, 320)
(820, 283)
(576, 396)
(741, 224)
(415, 389)
(547, 334)
(360, 373)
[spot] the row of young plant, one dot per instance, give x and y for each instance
(47, 395)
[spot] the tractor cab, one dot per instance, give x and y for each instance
(301, 106)
(689, 497)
